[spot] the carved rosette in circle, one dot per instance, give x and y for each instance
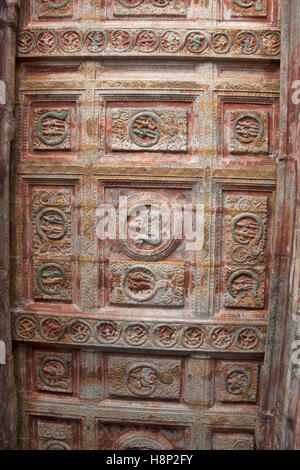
(25, 42)
(96, 40)
(248, 337)
(165, 336)
(149, 226)
(26, 327)
(271, 43)
(52, 371)
(142, 380)
(242, 284)
(237, 381)
(221, 337)
(52, 329)
(121, 40)
(79, 331)
(221, 42)
(196, 42)
(51, 278)
(135, 334)
(70, 41)
(144, 129)
(193, 337)
(139, 283)
(46, 41)
(171, 41)
(107, 332)
(51, 223)
(147, 41)
(248, 128)
(247, 42)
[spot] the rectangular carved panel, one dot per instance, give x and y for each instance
(246, 232)
(50, 256)
(144, 377)
(226, 440)
(52, 10)
(147, 284)
(149, 8)
(247, 128)
(51, 128)
(136, 129)
(143, 128)
(47, 433)
(113, 436)
(250, 11)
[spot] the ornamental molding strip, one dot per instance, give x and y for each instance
(182, 42)
(159, 335)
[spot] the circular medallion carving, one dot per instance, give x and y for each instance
(139, 283)
(271, 43)
(52, 371)
(107, 332)
(248, 337)
(142, 380)
(26, 327)
(144, 129)
(52, 329)
(221, 42)
(135, 334)
(52, 128)
(149, 226)
(221, 337)
(25, 42)
(121, 40)
(147, 40)
(56, 445)
(79, 331)
(248, 128)
(247, 42)
(96, 40)
(70, 41)
(193, 337)
(243, 283)
(165, 336)
(247, 228)
(51, 223)
(171, 41)
(237, 381)
(51, 278)
(196, 42)
(46, 41)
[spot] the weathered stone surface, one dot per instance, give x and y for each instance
(146, 338)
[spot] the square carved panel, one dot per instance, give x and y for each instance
(54, 372)
(247, 129)
(51, 128)
(143, 10)
(145, 258)
(149, 378)
(236, 382)
(49, 433)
